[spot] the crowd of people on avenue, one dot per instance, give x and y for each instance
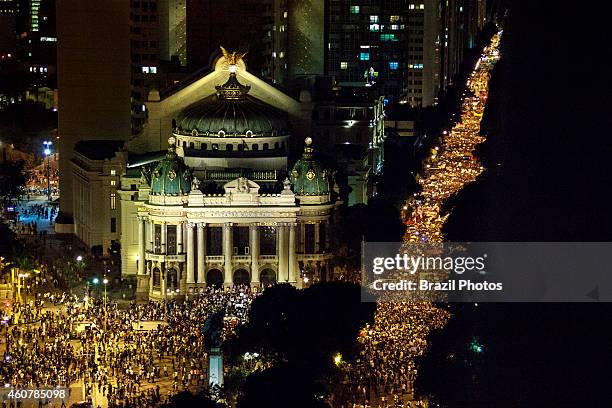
(59, 340)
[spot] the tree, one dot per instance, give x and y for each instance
(12, 180)
(299, 332)
(188, 400)
(282, 386)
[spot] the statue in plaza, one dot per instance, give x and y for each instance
(213, 329)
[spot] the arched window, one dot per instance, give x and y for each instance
(276, 146)
(241, 277)
(241, 147)
(229, 147)
(254, 146)
(172, 279)
(214, 278)
(267, 277)
(191, 145)
(156, 278)
(265, 146)
(203, 146)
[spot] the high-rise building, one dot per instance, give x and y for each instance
(173, 30)
(36, 31)
(94, 83)
(383, 43)
(238, 25)
(409, 49)
(461, 22)
(294, 40)
(7, 28)
(145, 34)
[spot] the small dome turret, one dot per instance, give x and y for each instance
(308, 176)
(171, 176)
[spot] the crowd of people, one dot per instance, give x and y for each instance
(386, 367)
(63, 340)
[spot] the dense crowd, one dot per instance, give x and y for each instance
(61, 341)
(386, 367)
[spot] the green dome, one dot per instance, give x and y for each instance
(308, 176)
(171, 176)
(231, 113)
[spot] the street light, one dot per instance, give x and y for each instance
(47, 152)
(105, 281)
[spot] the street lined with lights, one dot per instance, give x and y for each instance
(385, 373)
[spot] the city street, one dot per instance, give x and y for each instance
(384, 377)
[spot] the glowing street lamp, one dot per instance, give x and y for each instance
(47, 152)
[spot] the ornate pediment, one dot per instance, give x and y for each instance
(241, 185)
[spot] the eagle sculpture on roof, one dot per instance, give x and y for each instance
(233, 57)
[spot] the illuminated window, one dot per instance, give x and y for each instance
(373, 19)
(415, 66)
(393, 65)
(394, 27)
(364, 56)
(354, 9)
(421, 7)
(395, 19)
(113, 201)
(113, 172)
(343, 65)
(412, 6)
(387, 37)
(374, 27)
(113, 182)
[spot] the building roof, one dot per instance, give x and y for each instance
(231, 112)
(171, 176)
(98, 149)
(308, 176)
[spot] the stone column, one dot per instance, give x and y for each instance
(228, 252)
(189, 250)
(328, 233)
(201, 253)
(163, 237)
(292, 257)
(151, 236)
(302, 232)
(254, 248)
(163, 277)
(282, 255)
(317, 246)
(141, 246)
(179, 238)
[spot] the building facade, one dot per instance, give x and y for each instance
(187, 240)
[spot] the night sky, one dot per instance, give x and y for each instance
(548, 154)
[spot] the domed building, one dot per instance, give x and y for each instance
(221, 207)
(232, 129)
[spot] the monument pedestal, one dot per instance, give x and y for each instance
(215, 367)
